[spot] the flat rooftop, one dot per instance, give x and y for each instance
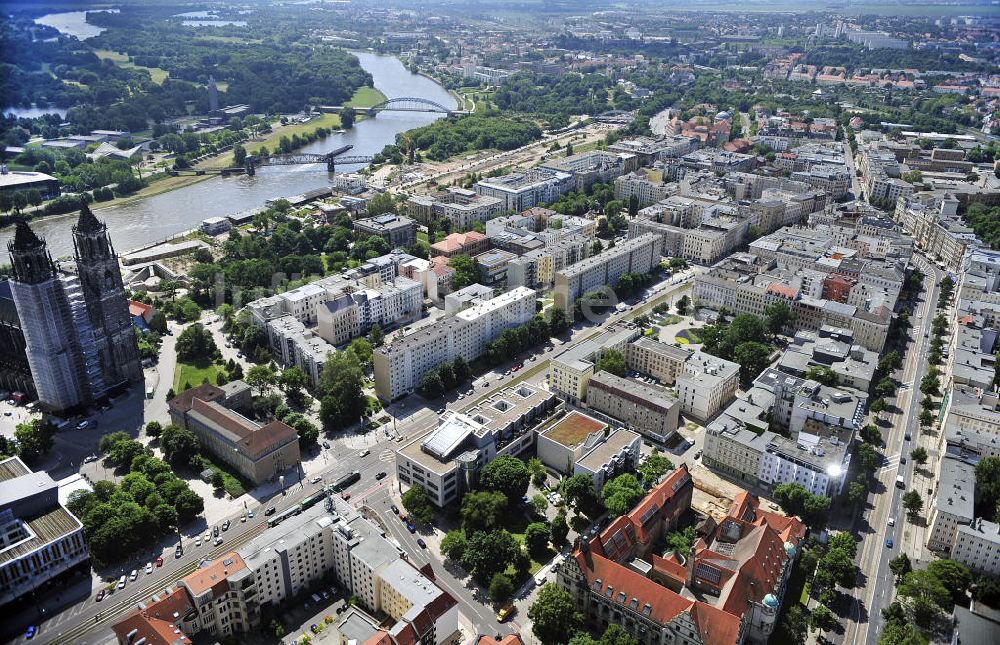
(43, 529)
(573, 429)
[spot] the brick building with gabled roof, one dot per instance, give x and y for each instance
(258, 452)
(740, 566)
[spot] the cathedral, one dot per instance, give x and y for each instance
(78, 335)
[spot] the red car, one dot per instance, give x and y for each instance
(159, 560)
(515, 368)
(345, 496)
(100, 596)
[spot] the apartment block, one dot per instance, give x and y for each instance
(536, 269)
(638, 185)
(447, 460)
(463, 208)
(588, 168)
(833, 349)
(570, 371)
(649, 150)
(523, 189)
(400, 365)
(953, 504)
(977, 546)
(638, 255)
(652, 411)
(706, 384)
(396, 230)
(662, 361)
(42, 540)
(933, 220)
(470, 243)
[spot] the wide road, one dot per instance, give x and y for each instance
(876, 585)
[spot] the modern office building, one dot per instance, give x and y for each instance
(258, 452)
(447, 460)
(400, 365)
(578, 444)
(42, 540)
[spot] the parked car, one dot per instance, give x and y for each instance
(892, 521)
(31, 632)
(225, 525)
(316, 480)
(215, 531)
(395, 509)
(159, 561)
(100, 596)
(250, 513)
(178, 552)
(326, 444)
(121, 582)
(132, 576)
(410, 527)
(89, 458)
(269, 511)
(218, 541)
(197, 541)
(149, 567)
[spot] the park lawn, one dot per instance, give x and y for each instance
(231, 482)
(194, 374)
(366, 97)
(122, 60)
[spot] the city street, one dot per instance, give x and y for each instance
(875, 586)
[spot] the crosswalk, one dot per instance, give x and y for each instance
(891, 462)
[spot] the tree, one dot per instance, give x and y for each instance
(188, 504)
(154, 429)
(779, 315)
(857, 492)
(557, 321)
(683, 304)
(196, 345)
(877, 406)
(823, 375)
(347, 116)
(261, 378)
(501, 587)
(490, 553)
(375, 335)
(507, 475)
(926, 419)
(33, 440)
(466, 271)
(913, 503)
(900, 566)
(621, 494)
(539, 504)
(380, 204)
(753, 358)
(793, 626)
(218, 481)
(870, 459)
(816, 512)
(988, 481)
(924, 584)
(612, 361)
(537, 470)
(655, 466)
(953, 575)
(822, 619)
(179, 444)
(553, 615)
(578, 489)
(158, 322)
(559, 529)
(791, 498)
(536, 539)
(341, 385)
(454, 544)
(418, 504)
(461, 369)
(432, 385)
(362, 348)
(483, 510)
(633, 205)
(293, 380)
(919, 455)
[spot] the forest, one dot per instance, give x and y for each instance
(452, 136)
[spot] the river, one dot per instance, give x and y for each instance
(155, 218)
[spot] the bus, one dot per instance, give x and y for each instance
(346, 481)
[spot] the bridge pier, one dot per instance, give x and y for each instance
(251, 170)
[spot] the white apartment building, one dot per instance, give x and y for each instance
(570, 371)
(977, 546)
(400, 365)
(593, 166)
(707, 384)
(638, 255)
(637, 184)
(464, 208)
(953, 504)
(523, 189)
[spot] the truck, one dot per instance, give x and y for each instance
(900, 483)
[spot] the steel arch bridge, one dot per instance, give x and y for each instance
(331, 159)
(409, 104)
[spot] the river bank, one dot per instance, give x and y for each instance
(178, 204)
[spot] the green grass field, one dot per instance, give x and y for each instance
(366, 97)
(194, 375)
(121, 60)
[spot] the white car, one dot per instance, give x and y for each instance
(892, 521)
(132, 576)
(208, 535)
(364, 453)
(149, 568)
(197, 541)
(316, 480)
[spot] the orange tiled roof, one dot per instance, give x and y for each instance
(156, 622)
(214, 576)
